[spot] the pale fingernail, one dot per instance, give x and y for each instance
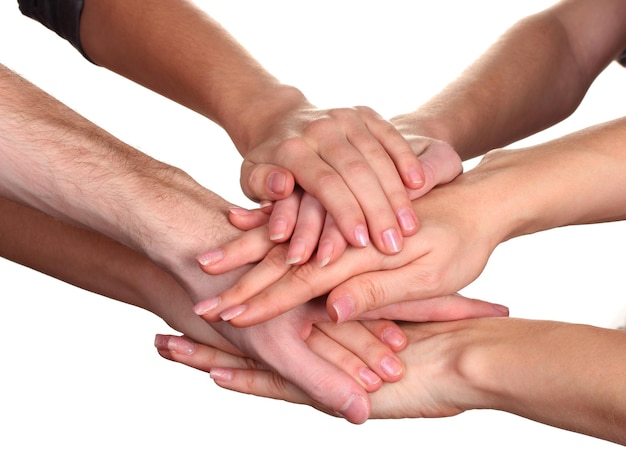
(233, 312)
(223, 374)
(278, 229)
(407, 219)
(239, 211)
(276, 183)
(393, 338)
(296, 252)
(361, 235)
(265, 203)
(210, 257)
(324, 254)
(391, 366)
(354, 408)
(416, 177)
(369, 377)
(391, 240)
(205, 306)
(344, 308)
(502, 309)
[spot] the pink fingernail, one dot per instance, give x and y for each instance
(406, 219)
(391, 366)
(391, 240)
(205, 306)
(210, 257)
(361, 235)
(276, 183)
(355, 409)
(416, 177)
(174, 344)
(369, 377)
(344, 308)
(233, 312)
(223, 374)
(394, 338)
(239, 211)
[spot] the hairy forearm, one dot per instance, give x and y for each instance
(54, 160)
(177, 50)
(535, 75)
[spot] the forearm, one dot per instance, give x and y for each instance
(95, 263)
(177, 50)
(54, 160)
(535, 75)
(565, 375)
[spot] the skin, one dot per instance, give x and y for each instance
(517, 86)
(273, 125)
(525, 367)
(56, 162)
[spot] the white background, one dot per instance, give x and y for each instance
(80, 371)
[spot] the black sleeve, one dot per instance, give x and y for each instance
(61, 16)
(622, 58)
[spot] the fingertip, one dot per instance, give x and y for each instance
(356, 409)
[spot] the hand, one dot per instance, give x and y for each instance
(334, 367)
(436, 383)
(302, 219)
(450, 251)
(332, 154)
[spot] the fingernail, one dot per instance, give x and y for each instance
(224, 374)
(210, 257)
(278, 229)
(174, 344)
(205, 306)
(355, 407)
(393, 338)
(391, 366)
(361, 235)
(369, 377)
(500, 308)
(416, 177)
(295, 253)
(324, 254)
(233, 312)
(391, 240)
(239, 211)
(344, 308)
(276, 183)
(407, 219)
(265, 203)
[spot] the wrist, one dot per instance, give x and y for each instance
(262, 113)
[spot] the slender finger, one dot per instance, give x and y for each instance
(307, 231)
(284, 216)
(332, 244)
(251, 246)
(333, 350)
(359, 341)
(444, 308)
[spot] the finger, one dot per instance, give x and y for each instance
(332, 244)
(265, 181)
(397, 147)
(266, 384)
(354, 159)
(388, 332)
(360, 342)
(228, 305)
(284, 216)
(332, 350)
(441, 164)
(307, 231)
(183, 350)
(251, 246)
(259, 295)
(246, 219)
(322, 181)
